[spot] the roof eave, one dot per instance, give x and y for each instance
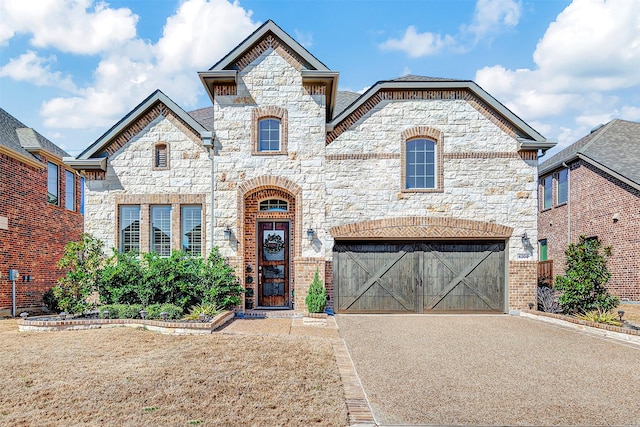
(454, 84)
(211, 78)
(609, 171)
(86, 164)
(530, 144)
(328, 78)
(134, 115)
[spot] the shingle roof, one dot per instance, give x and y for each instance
(343, 100)
(204, 116)
(614, 146)
(18, 137)
(414, 78)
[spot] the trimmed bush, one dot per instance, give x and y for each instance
(316, 299)
(121, 311)
(173, 311)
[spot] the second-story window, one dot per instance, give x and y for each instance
(69, 191)
(161, 156)
(52, 183)
(563, 186)
(269, 135)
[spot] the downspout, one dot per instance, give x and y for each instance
(207, 142)
(568, 203)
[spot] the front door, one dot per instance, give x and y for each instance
(273, 264)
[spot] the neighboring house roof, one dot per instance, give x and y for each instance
(93, 156)
(613, 148)
(23, 141)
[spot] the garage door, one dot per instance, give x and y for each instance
(418, 277)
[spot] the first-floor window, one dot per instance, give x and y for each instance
(161, 230)
(69, 191)
(129, 228)
(191, 229)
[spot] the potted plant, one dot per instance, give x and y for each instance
(248, 298)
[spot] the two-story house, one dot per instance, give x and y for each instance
(418, 195)
(592, 188)
(40, 212)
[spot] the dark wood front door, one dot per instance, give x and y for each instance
(417, 277)
(273, 264)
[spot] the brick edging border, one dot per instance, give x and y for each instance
(175, 328)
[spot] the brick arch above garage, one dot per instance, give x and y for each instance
(421, 228)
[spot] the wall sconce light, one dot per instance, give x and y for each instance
(227, 233)
(525, 239)
(310, 234)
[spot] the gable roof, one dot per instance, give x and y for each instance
(23, 140)
(94, 157)
(528, 137)
(613, 148)
(266, 36)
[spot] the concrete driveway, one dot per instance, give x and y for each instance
(491, 370)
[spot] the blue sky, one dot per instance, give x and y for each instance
(72, 68)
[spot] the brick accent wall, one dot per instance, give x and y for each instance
(599, 205)
(36, 232)
(523, 282)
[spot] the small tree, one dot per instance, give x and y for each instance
(83, 261)
(583, 285)
(316, 298)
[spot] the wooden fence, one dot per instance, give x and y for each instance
(545, 272)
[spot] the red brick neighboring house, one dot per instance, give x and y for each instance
(40, 211)
(592, 188)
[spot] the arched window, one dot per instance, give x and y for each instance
(420, 164)
(269, 134)
(274, 205)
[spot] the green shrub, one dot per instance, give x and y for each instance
(172, 310)
(120, 278)
(121, 311)
(209, 310)
(83, 261)
(583, 285)
(316, 299)
(220, 284)
(50, 301)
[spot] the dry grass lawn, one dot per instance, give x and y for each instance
(131, 377)
(631, 312)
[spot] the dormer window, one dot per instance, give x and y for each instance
(274, 205)
(161, 156)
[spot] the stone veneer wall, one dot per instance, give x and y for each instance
(130, 172)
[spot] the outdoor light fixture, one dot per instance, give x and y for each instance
(310, 234)
(143, 314)
(105, 314)
(530, 306)
(163, 315)
(202, 317)
(63, 315)
(621, 313)
(24, 315)
(227, 233)
(525, 239)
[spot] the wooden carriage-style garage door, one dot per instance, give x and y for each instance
(417, 277)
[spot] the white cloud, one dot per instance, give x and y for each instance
(591, 50)
(196, 37)
(492, 16)
(74, 26)
(30, 67)
(305, 39)
(417, 44)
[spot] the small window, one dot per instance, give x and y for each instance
(269, 135)
(191, 229)
(547, 190)
(274, 205)
(69, 191)
(420, 164)
(129, 228)
(161, 230)
(52, 183)
(543, 249)
(161, 156)
(563, 186)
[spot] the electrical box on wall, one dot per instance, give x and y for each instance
(13, 274)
